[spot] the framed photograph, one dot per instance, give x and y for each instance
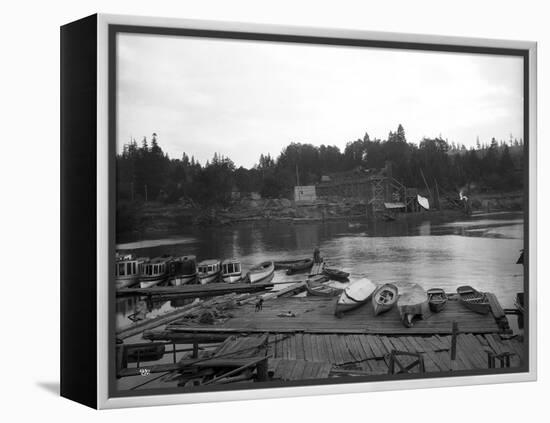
(253, 211)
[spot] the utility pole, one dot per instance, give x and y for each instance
(145, 192)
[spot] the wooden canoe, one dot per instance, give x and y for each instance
(473, 299)
(355, 295)
(412, 303)
(335, 274)
(437, 299)
(299, 266)
(316, 287)
(287, 264)
(384, 298)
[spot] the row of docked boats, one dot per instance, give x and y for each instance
(148, 272)
(411, 300)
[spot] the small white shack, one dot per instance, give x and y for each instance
(305, 193)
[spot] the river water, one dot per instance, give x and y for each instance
(480, 251)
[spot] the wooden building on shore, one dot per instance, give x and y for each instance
(377, 187)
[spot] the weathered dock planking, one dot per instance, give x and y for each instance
(316, 315)
(192, 291)
(317, 356)
(300, 339)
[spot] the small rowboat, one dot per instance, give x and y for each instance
(474, 300)
(384, 298)
(437, 299)
(412, 304)
(299, 266)
(335, 274)
(355, 295)
(287, 264)
(261, 273)
(315, 287)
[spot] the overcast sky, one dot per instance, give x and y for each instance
(244, 98)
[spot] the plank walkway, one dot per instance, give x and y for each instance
(316, 315)
(336, 355)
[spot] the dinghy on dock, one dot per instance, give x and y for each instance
(437, 299)
(317, 287)
(473, 299)
(355, 295)
(335, 274)
(384, 298)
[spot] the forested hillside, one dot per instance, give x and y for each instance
(145, 172)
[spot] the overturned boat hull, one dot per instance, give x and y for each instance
(355, 295)
(412, 304)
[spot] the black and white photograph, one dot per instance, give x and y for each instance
(298, 212)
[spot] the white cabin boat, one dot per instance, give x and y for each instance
(127, 270)
(261, 273)
(209, 271)
(154, 272)
(231, 270)
(183, 270)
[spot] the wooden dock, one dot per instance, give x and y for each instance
(195, 291)
(293, 339)
(301, 356)
(316, 315)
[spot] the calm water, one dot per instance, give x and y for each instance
(480, 251)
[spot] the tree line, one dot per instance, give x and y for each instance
(146, 173)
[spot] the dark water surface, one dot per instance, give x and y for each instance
(480, 251)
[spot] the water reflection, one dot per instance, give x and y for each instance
(479, 252)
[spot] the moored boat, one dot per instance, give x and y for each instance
(183, 270)
(154, 271)
(299, 266)
(316, 287)
(473, 299)
(263, 272)
(287, 264)
(355, 295)
(384, 298)
(336, 274)
(209, 271)
(437, 299)
(127, 270)
(231, 270)
(412, 303)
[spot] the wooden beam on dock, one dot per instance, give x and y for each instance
(195, 307)
(195, 291)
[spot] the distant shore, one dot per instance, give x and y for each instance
(157, 217)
